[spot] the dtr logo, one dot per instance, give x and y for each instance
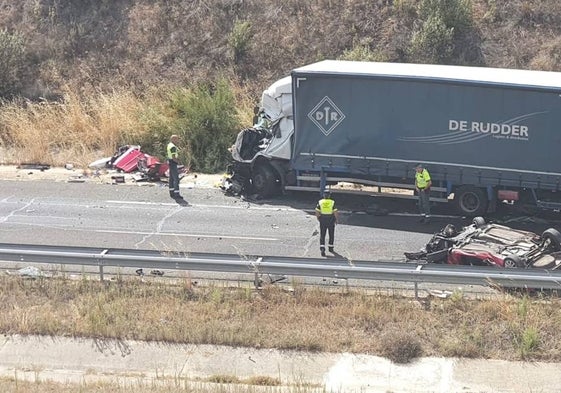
(326, 115)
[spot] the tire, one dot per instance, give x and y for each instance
(513, 262)
(554, 238)
(470, 200)
(263, 180)
(479, 222)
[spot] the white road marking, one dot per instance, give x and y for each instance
(187, 235)
(246, 207)
(12, 213)
(175, 234)
(159, 227)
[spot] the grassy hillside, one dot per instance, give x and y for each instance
(89, 50)
(100, 44)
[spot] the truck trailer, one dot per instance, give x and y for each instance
(485, 134)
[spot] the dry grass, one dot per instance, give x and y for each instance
(306, 319)
(140, 386)
(76, 129)
(80, 129)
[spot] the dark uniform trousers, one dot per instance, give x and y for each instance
(173, 178)
(326, 224)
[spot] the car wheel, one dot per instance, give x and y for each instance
(513, 262)
(470, 200)
(554, 238)
(479, 222)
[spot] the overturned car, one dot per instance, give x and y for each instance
(488, 244)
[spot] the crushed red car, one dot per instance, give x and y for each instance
(489, 244)
(130, 158)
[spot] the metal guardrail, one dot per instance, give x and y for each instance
(304, 267)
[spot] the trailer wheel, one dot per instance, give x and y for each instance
(470, 200)
(263, 180)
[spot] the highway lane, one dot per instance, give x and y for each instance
(129, 216)
(144, 217)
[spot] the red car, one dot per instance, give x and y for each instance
(484, 244)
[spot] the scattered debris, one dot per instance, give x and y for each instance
(117, 179)
(139, 272)
(69, 166)
(76, 179)
(440, 294)
(157, 272)
(40, 167)
(273, 278)
(31, 272)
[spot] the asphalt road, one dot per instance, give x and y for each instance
(144, 217)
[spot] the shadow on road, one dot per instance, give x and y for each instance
(402, 214)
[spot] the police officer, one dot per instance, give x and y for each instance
(327, 215)
(173, 161)
(422, 185)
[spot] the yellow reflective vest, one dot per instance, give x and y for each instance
(326, 206)
(172, 151)
(422, 179)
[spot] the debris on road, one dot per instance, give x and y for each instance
(41, 167)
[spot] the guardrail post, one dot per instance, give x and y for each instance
(101, 265)
(418, 269)
(256, 280)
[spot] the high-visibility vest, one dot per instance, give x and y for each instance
(326, 206)
(172, 151)
(422, 179)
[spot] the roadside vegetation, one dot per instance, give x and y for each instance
(174, 385)
(302, 318)
(79, 79)
(80, 130)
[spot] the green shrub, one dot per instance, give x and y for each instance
(529, 341)
(455, 14)
(240, 39)
(363, 53)
(207, 122)
(447, 33)
(12, 61)
(434, 42)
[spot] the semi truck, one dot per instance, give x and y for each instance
(485, 134)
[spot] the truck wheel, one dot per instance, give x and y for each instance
(470, 200)
(263, 180)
